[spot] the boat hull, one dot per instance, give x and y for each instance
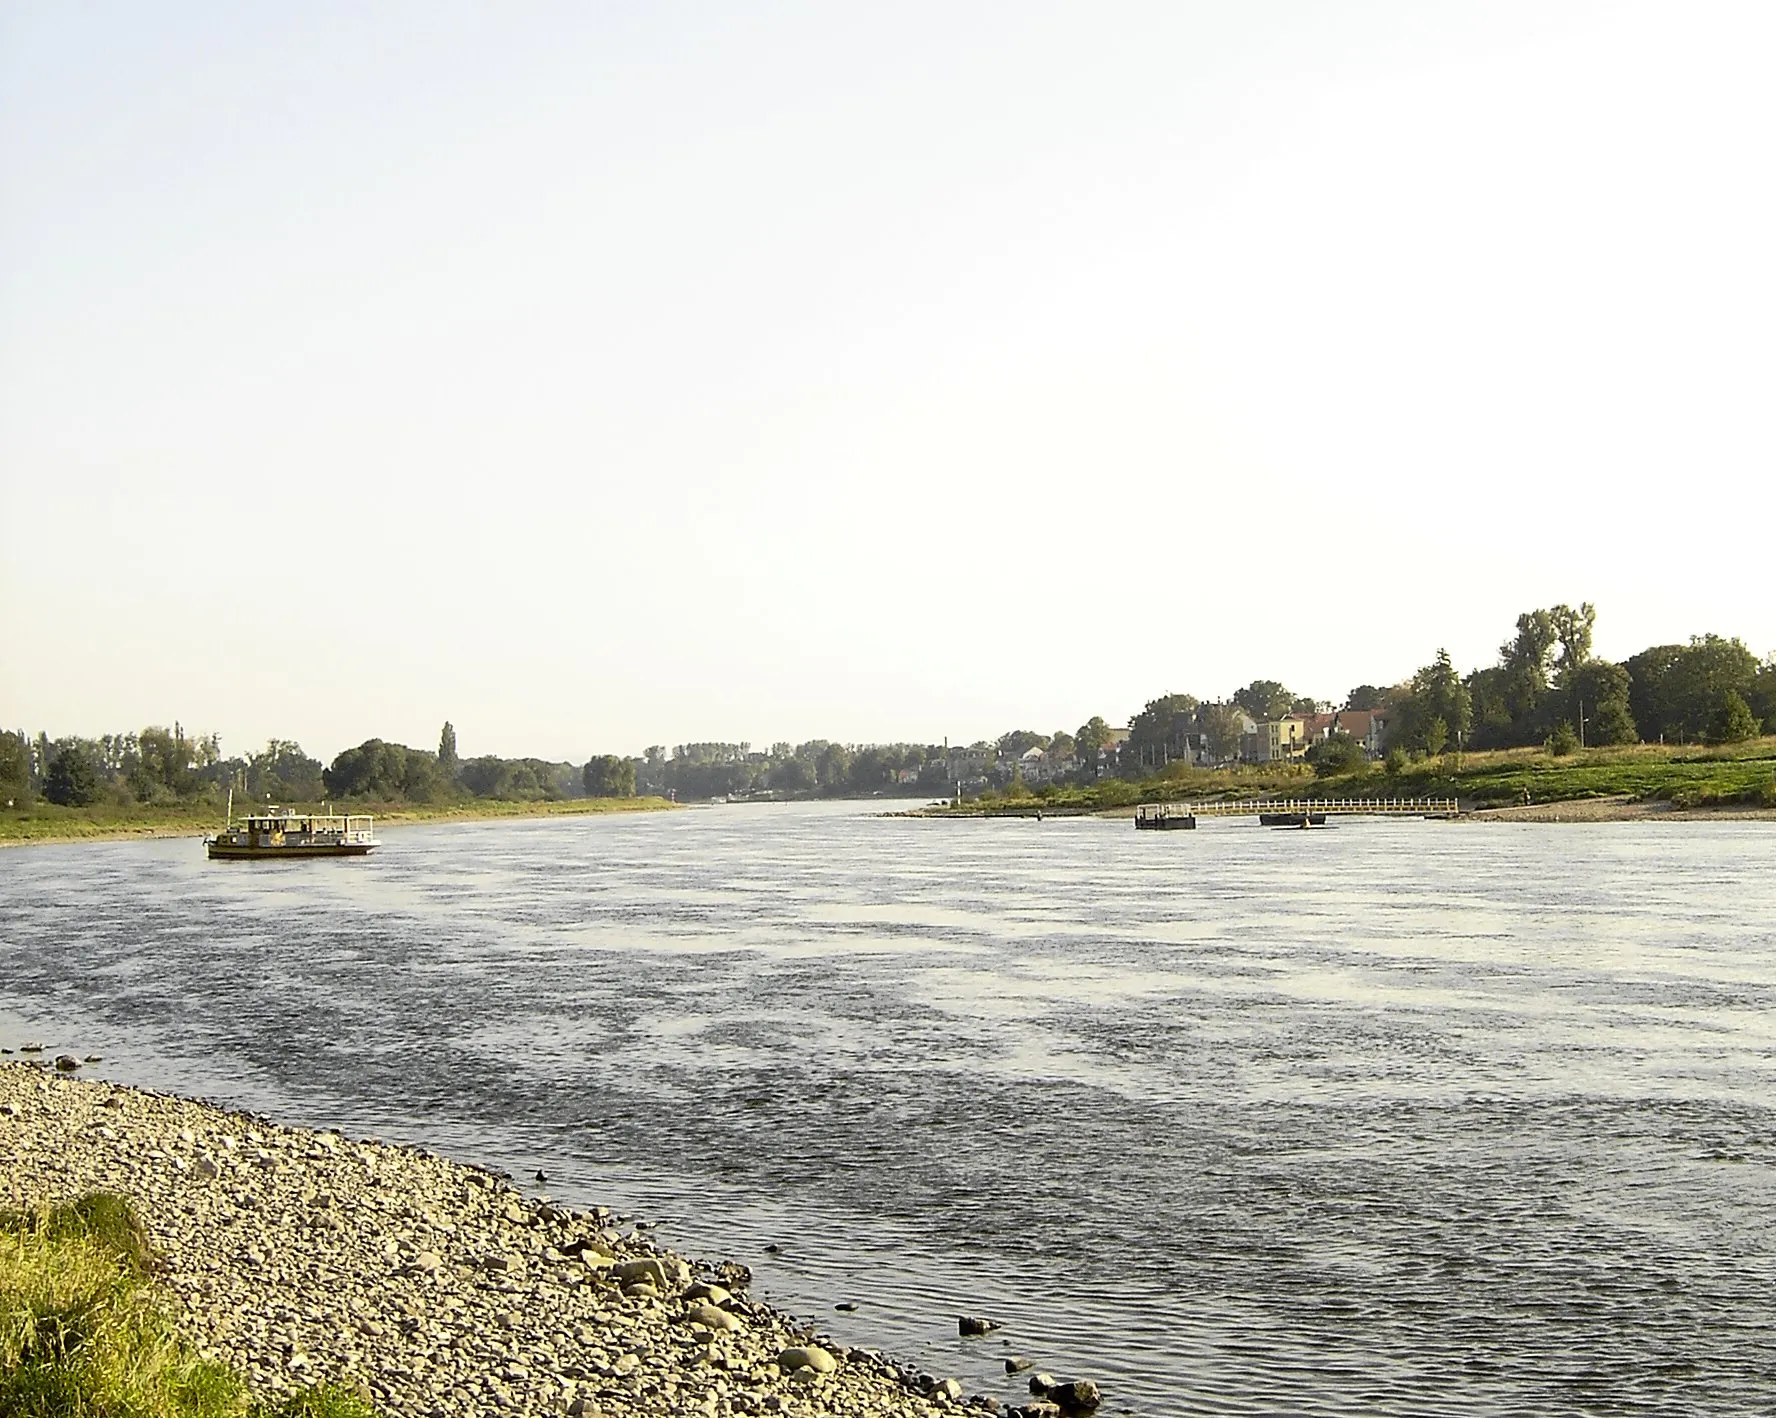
(224, 851)
(1292, 819)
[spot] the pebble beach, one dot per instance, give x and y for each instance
(432, 1287)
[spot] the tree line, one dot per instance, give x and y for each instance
(1546, 688)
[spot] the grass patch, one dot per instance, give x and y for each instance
(83, 1334)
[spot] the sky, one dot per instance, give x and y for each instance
(595, 376)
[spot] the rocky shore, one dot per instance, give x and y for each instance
(435, 1288)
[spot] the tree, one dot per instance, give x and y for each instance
(1161, 731)
(1223, 731)
(793, 775)
(1089, 743)
(447, 759)
(1435, 710)
(1265, 699)
(389, 772)
(832, 769)
(1573, 629)
(1677, 691)
(1597, 695)
(1734, 722)
(72, 779)
(1364, 696)
(606, 775)
(1019, 741)
(1062, 744)
(1337, 753)
(15, 767)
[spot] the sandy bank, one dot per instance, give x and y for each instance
(439, 1289)
(1618, 809)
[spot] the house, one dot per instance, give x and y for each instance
(1281, 740)
(1367, 726)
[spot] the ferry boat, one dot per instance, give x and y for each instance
(280, 832)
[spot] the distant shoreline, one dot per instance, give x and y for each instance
(1620, 808)
(191, 824)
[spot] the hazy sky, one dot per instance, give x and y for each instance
(596, 376)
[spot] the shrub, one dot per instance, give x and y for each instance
(1395, 763)
(1338, 754)
(1734, 723)
(1562, 741)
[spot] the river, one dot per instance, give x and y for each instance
(1394, 1118)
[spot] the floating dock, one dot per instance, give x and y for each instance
(1290, 812)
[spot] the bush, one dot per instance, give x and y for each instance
(1562, 741)
(1395, 762)
(1735, 722)
(1338, 754)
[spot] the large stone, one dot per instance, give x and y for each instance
(1075, 1395)
(712, 1317)
(646, 1271)
(974, 1324)
(806, 1356)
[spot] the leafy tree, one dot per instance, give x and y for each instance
(1508, 703)
(1763, 695)
(1162, 731)
(1062, 744)
(1265, 699)
(1597, 690)
(1089, 743)
(15, 767)
(448, 762)
(1677, 691)
(1335, 754)
(607, 775)
(1364, 696)
(73, 777)
(283, 773)
(1018, 742)
(832, 770)
(793, 775)
(1435, 710)
(1573, 629)
(389, 772)
(1734, 722)
(1223, 731)
(1562, 741)
(1307, 704)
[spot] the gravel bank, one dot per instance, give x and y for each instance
(438, 1289)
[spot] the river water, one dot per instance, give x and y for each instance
(1391, 1118)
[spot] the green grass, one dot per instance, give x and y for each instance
(84, 1333)
(1737, 775)
(45, 822)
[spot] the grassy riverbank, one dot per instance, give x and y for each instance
(45, 822)
(1736, 776)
